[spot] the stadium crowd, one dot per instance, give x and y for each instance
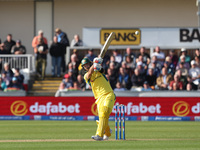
(10, 78)
(140, 72)
(174, 70)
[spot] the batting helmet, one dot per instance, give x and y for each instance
(85, 61)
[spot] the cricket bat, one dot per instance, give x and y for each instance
(107, 44)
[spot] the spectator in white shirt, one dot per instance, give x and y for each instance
(194, 72)
(160, 55)
(76, 41)
(118, 57)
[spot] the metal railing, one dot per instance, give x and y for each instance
(26, 61)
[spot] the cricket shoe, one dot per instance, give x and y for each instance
(97, 138)
(105, 137)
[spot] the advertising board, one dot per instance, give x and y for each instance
(84, 107)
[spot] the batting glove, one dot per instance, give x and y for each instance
(97, 67)
(98, 60)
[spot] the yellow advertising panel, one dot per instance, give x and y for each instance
(122, 36)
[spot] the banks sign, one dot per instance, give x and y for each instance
(122, 36)
(148, 37)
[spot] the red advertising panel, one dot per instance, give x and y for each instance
(85, 106)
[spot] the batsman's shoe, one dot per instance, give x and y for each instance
(97, 138)
(105, 137)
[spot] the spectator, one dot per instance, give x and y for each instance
(41, 58)
(175, 87)
(75, 87)
(197, 53)
(63, 39)
(126, 69)
(3, 85)
(112, 77)
(113, 68)
(119, 87)
(137, 79)
(81, 82)
(160, 55)
(167, 66)
(73, 64)
(9, 43)
(170, 66)
(173, 57)
(78, 57)
(182, 78)
(194, 72)
(76, 41)
(124, 79)
(6, 79)
(176, 84)
(15, 85)
(189, 87)
(130, 54)
(18, 48)
(151, 78)
(130, 63)
(19, 76)
(145, 56)
(190, 81)
(73, 72)
(182, 68)
(156, 70)
(3, 49)
(146, 87)
(8, 72)
(66, 83)
(74, 61)
(72, 76)
(56, 52)
(116, 64)
(197, 60)
(163, 80)
(36, 40)
(183, 62)
(140, 59)
(106, 61)
(90, 54)
(118, 57)
(155, 60)
(140, 68)
(184, 53)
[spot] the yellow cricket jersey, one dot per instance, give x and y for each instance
(99, 83)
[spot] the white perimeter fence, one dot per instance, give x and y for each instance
(26, 64)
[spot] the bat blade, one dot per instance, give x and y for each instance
(107, 44)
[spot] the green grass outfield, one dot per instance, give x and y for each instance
(63, 135)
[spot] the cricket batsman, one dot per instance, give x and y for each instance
(103, 93)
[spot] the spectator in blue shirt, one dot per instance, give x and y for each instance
(124, 79)
(66, 83)
(90, 54)
(15, 84)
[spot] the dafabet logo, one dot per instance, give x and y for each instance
(19, 108)
(94, 109)
(181, 108)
